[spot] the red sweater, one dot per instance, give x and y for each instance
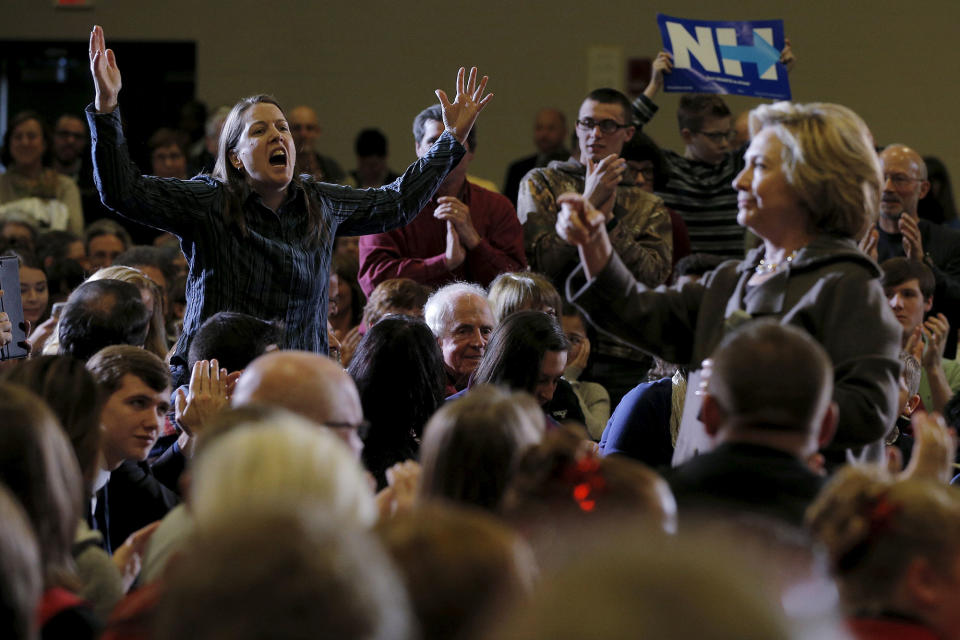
(416, 251)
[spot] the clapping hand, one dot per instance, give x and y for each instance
(602, 179)
(868, 244)
(348, 346)
(935, 329)
(128, 557)
(935, 446)
(106, 75)
(459, 115)
(454, 253)
(914, 344)
(206, 396)
(456, 212)
(912, 240)
(403, 481)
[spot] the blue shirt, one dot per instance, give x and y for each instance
(278, 270)
(640, 425)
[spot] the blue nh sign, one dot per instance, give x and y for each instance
(740, 58)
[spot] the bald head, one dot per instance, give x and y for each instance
(304, 126)
(305, 383)
(903, 153)
(904, 183)
(549, 130)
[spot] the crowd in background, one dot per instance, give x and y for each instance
(496, 442)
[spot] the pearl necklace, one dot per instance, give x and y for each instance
(765, 268)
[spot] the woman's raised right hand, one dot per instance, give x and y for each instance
(106, 75)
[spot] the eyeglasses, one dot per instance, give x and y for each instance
(70, 134)
(719, 136)
(899, 179)
(606, 126)
(362, 428)
(633, 171)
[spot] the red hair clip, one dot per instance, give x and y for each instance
(587, 482)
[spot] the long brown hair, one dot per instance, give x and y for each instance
(39, 467)
(233, 179)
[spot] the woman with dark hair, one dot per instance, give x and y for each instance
(73, 395)
(257, 238)
(527, 352)
(20, 579)
(399, 372)
(30, 185)
(938, 205)
(70, 391)
(39, 467)
(34, 294)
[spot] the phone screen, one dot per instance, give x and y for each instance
(11, 304)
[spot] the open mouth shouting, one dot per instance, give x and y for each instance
(278, 158)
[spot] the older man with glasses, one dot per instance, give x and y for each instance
(638, 222)
(900, 232)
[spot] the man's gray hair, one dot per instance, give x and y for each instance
(438, 311)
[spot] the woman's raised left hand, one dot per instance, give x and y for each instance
(459, 115)
(106, 74)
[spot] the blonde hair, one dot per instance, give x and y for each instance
(874, 526)
(829, 160)
(521, 291)
(156, 342)
(282, 456)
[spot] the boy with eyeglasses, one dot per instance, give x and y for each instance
(699, 183)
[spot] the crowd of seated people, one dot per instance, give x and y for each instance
(495, 445)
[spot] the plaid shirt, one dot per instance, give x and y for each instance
(277, 271)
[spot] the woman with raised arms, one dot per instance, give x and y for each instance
(257, 238)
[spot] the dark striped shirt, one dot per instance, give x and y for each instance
(277, 270)
(702, 193)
